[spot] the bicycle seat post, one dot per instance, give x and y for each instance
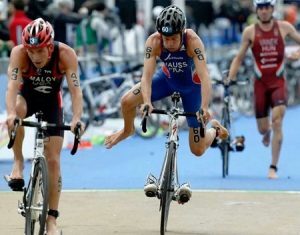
(175, 99)
(39, 116)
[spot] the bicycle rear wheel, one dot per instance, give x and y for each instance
(36, 199)
(167, 191)
(225, 145)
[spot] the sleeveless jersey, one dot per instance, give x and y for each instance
(44, 82)
(268, 52)
(178, 66)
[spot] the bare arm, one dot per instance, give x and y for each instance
(290, 31)
(14, 75)
(197, 51)
(151, 51)
(245, 44)
(69, 65)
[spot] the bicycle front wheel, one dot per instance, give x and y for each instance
(36, 199)
(167, 190)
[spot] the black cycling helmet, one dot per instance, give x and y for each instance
(170, 21)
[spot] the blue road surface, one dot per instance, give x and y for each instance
(127, 165)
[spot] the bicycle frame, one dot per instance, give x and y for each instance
(34, 205)
(225, 145)
(168, 181)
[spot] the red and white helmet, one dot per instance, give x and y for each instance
(264, 2)
(38, 34)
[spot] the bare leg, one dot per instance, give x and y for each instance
(17, 170)
(264, 128)
(52, 153)
(199, 146)
(129, 103)
(277, 118)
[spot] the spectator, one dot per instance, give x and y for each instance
(18, 21)
(64, 20)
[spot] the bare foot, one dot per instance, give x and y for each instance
(115, 138)
(51, 226)
(272, 174)
(223, 133)
(266, 139)
(17, 171)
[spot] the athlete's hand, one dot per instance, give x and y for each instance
(74, 124)
(144, 108)
(10, 121)
(205, 115)
(294, 55)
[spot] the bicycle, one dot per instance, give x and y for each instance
(34, 204)
(168, 182)
(227, 145)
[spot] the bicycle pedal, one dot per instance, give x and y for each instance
(183, 198)
(150, 194)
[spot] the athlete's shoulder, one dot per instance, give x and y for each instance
(283, 24)
(64, 48)
(154, 41)
(191, 34)
(19, 55)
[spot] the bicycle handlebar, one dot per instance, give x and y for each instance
(231, 83)
(19, 122)
(167, 112)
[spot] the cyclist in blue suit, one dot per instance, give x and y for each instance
(183, 54)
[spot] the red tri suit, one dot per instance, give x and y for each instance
(41, 88)
(269, 84)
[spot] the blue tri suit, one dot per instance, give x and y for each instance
(176, 75)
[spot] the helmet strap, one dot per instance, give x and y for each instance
(50, 50)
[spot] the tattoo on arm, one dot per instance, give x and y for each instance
(199, 54)
(14, 74)
(148, 52)
(196, 134)
(75, 79)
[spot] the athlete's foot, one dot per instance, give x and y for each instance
(266, 139)
(51, 227)
(222, 131)
(115, 138)
(272, 174)
(17, 171)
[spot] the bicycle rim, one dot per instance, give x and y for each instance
(167, 191)
(37, 200)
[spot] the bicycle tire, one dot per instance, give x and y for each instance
(167, 190)
(36, 199)
(153, 124)
(225, 148)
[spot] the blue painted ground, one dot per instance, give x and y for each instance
(127, 165)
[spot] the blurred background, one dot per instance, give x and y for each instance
(109, 38)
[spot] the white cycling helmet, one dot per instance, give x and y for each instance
(264, 2)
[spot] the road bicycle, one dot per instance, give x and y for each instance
(101, 98)
(168, 181)
(34, 204)
(228, 144)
